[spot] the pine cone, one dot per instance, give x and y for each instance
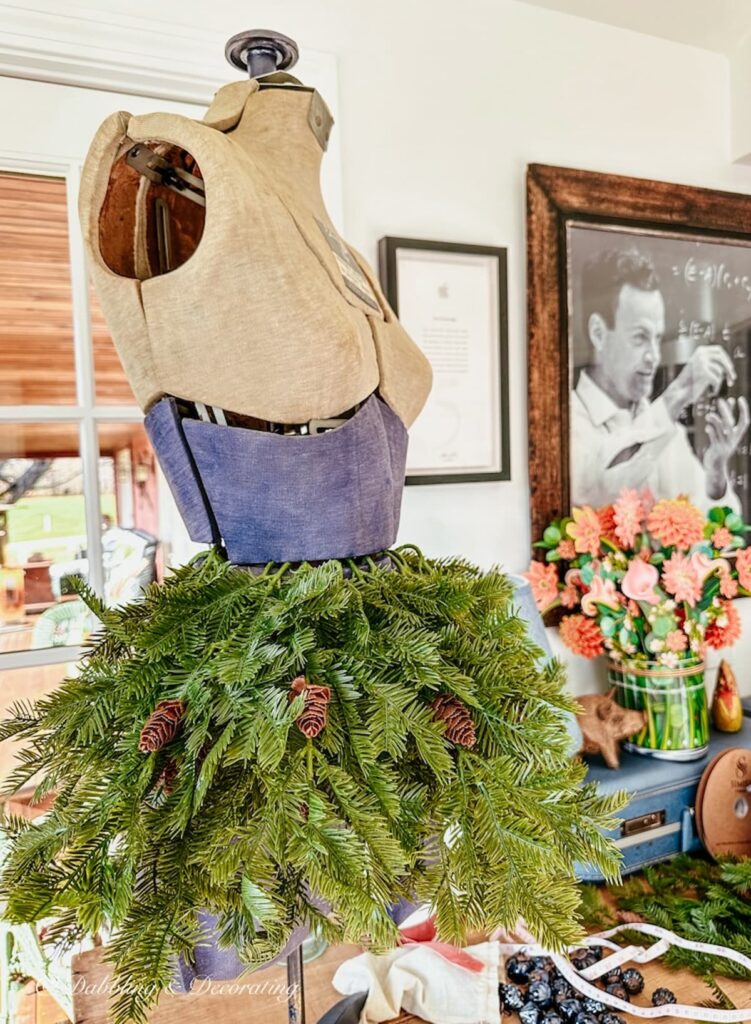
(161, 726)
(168, 777)
(314, 715)
(460, 729)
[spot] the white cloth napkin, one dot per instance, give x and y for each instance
(417, 979)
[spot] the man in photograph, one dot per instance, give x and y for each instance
(620, 437)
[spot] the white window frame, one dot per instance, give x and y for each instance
(85, 412)
(120, 53)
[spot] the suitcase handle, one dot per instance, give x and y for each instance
(688, 830)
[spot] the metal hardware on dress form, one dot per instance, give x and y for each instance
(214, 414)
(161, 172)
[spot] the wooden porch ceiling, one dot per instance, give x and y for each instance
(36, 317)
(60, 440)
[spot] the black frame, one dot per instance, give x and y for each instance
(387, 247)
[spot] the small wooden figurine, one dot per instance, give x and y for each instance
(604, 724)
(727, 711)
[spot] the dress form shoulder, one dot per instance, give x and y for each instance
(264, 310)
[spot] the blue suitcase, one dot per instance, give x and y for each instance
(658, 821)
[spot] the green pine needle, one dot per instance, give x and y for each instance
(693, 897)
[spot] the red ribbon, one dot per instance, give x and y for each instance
(425, 932)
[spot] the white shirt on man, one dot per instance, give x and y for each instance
(664, 460)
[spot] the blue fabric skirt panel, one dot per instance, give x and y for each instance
(286, 498)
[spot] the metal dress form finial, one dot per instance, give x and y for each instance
(259, 52)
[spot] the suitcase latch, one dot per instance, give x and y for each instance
(644, 823)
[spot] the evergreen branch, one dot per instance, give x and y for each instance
(240, 814)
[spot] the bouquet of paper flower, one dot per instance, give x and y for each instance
(652, 584)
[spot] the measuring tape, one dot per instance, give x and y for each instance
(580, 980)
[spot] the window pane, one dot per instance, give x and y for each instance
(36, 321)
(130, 511)
(25, 684)
(112, 387)
(143, 533)
(42, 536)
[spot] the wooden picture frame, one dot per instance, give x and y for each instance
(556, 198)
(480, 449)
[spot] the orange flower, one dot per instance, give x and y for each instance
(722, 537)
(543, 580)
(725, 629)
(582, 636)
(679, 578)
(629, 516)
(566, 550)
(585, 531)
(676, 522)
(743, 565)
(606, 515)
(569, 596)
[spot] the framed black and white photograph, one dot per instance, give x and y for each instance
(452, 300)
(639, 314)
(658, 332)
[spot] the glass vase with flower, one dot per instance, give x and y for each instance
(650, 584)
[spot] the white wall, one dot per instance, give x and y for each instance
(442, 105)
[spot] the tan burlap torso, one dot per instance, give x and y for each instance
(268, 313)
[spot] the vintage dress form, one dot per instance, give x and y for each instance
(264, 313)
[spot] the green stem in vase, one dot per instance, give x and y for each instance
(651, 725)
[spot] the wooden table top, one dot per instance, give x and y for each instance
(221, 1006)
(251, 1006)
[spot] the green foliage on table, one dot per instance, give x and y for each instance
(259, 821)
(693, 897)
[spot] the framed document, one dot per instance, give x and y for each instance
(452, 301)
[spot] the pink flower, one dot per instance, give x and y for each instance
(647, 500)
(572, 582)
(569, 597)
(728, 586)
(743, 565)
(640, 581)
(601, 591)
(705, 566)
(680, 579)
(566, 549)
(629, 517)
(722, 537)
(676, 641)
(543, 580)
(585, 531)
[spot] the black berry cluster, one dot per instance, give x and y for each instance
(662, 996)
(539, 994)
